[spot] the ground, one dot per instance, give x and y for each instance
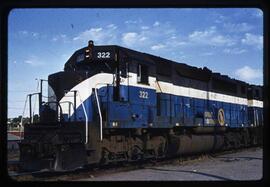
(243, 165)
(246, 164)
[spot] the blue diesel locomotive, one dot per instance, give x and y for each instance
(113, 104)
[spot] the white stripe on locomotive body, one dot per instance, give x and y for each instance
(132, 81)
(85, 90)
(169, 88)
(255, 103)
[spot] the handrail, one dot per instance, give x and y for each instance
(70, 103)
(158, 85)
(99, 111)
(32, 120)
(84, 110)
(58, 105)
(30, 105)
(86, 118)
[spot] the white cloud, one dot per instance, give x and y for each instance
(112, 26)
(156, 24)
(133, 21)
(143, 38)
(54, 39)
(219, 18)
(98, 35)
(210, 36)
(157, 47)
(134, 39)
(24, 33)
(147, 37)
(130, 38)
(33, 61)
(29, 35)
(237, 27)
(221, 40)
(207, 54)
(60, 37)
(144, 27)
(28, 62)
(246, 73)
(253, 40)
(175, 42)
(258, 13)
(93, 33)
(35, 34)
(234, 51)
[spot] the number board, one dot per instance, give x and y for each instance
(104, 54)
(143, 94)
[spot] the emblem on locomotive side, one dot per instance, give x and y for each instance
(221, 117)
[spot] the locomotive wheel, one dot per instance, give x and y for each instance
(104, 157)
(136, 153)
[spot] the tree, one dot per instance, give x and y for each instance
(36, 118)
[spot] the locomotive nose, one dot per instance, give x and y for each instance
(58, 147)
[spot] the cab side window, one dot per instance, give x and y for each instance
(257, 94)
(142, 74)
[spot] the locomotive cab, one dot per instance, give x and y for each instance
(82, 70)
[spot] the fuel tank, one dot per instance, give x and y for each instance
(190, 144)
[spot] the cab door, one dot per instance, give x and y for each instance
(124, 82)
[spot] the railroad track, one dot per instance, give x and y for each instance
(116, 167)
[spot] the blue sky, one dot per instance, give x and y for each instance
(40, 41)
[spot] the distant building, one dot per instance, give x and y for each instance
(13, 139)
